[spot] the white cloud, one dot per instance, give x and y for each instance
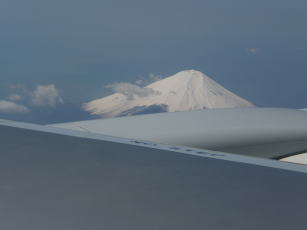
(153, 77)
(150, 79)
(131, 91)
(12, 107)
(46, 96)
(15, 97)
(139, 82)
(254, 50)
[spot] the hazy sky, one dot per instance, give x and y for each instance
(257, 49)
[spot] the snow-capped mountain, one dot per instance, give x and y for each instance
(184, 91)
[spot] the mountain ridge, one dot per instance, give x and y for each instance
(186, 90)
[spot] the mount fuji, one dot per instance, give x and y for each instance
(184, 91)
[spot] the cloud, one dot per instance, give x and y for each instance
(12, 107)
(46, 96)
(131, 91)
(40, 96)
(254, 50)
(15, 97)
(150, 79)
(153, 77)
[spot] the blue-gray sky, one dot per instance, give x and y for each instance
(257, 49)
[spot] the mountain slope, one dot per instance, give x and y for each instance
(184, 91)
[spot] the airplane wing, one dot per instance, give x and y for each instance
(52, 178)
(261, 132)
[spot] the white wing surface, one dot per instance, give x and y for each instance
(261, 132)
(51, 178)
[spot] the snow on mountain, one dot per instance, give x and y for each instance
(184, 91)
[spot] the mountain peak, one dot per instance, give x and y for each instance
(189, 74)
(184, 91)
